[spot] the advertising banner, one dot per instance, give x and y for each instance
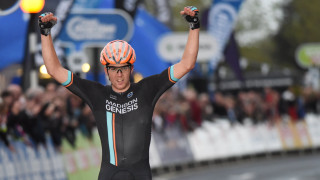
(287, 135)
(313, 125)
(273, 139)
(154, 157)
(308, 55)
(173, 146)
(201, 144)
(221, 19)
(172, 51)
(303, 134)
(96, 27)
(82, 162)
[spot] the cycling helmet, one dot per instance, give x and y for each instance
(117, 52)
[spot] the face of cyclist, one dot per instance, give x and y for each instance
(119, 75)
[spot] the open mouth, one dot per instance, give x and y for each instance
(120, 81)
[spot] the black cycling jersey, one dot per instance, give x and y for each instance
(124, 122)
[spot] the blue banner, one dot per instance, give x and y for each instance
(96, 27)
(13, 33)
(221, 19)
(147, 32)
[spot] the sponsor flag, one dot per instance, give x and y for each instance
(221, 19)
(147, 32)
(232, 56)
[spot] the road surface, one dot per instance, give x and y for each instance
(293, 167)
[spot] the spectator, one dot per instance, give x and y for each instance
(191, 96)
(289, 104)
(272, 105)
(158, 113)
(218, 104)
(52, 114)
(15, 90)
(206, 107)
(187, 123)
(3, 126)
(30, 118)
(12, 118)
(74, 109)
(7, 99)
(310, 100)
(86, 122)
(50, 92)
(17, 95)
(230, 107)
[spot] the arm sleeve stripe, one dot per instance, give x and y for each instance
(71, 81)
(68, 80)
(172, 74)
(169, 76)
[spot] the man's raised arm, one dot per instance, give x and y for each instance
(190, 53)
(51, 61)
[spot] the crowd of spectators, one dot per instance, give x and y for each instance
(32, 115)
(54, 111)
(189, 108)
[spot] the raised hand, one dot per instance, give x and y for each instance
(46, 21)
(191, 15)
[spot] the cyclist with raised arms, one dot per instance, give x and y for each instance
(123, 111)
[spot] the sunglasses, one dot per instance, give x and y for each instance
(121, 68)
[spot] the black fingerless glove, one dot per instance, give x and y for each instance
(45, 27)
(194, 22)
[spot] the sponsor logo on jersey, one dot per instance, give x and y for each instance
(122, 108)
(130, 94)
(113, 97)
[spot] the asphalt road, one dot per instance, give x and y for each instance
(293, 167)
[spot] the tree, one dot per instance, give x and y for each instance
(300, 25)
(257, 22)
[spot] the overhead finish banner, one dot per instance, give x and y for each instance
(221, 19)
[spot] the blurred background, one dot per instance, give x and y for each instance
(254, 92)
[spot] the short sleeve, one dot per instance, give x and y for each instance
(85, 89)
(156, 85)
